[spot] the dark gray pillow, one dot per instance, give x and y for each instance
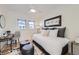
(61, 32)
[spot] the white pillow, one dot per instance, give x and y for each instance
(53, 33)
(45, 32)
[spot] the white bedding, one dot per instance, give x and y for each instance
(52, 45)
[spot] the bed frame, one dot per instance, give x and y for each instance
(64, 49)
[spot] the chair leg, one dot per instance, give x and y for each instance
(18, 43)
(11, 45)
(15, 43)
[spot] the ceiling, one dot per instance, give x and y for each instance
(42, 9)
(26, 7)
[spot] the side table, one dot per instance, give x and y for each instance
(74, 48)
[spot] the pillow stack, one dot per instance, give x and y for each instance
(57, 32)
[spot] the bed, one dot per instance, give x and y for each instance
(50, 45)
(52, 40)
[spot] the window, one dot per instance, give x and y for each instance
(31, 24)
(21, 23)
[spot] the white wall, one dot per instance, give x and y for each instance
(70, 17)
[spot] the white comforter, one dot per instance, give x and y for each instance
(51, 45)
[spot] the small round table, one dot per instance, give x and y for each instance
(26, 48)
(22, 43)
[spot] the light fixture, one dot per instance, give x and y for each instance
(32, 10)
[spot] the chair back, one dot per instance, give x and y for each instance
(17, 34)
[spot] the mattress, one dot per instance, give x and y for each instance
(51, 45)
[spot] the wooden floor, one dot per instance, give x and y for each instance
(6, 49)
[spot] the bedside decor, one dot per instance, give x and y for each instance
(74, 48)
(77, 40)
(55, 21)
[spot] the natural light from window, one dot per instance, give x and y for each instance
(31, 24)
(21, 23)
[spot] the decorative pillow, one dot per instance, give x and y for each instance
(45, 32)
(53, 33)
(61, 32)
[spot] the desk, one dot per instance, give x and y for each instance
(6, 38)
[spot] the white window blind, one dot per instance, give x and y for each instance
(22, 23)
(31, 24)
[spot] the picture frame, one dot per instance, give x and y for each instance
(52, 22)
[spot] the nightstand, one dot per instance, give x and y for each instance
(74, 48)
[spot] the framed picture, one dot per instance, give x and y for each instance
(55, 21)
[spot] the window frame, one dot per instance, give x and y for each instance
(24, 20)
(31, 24)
